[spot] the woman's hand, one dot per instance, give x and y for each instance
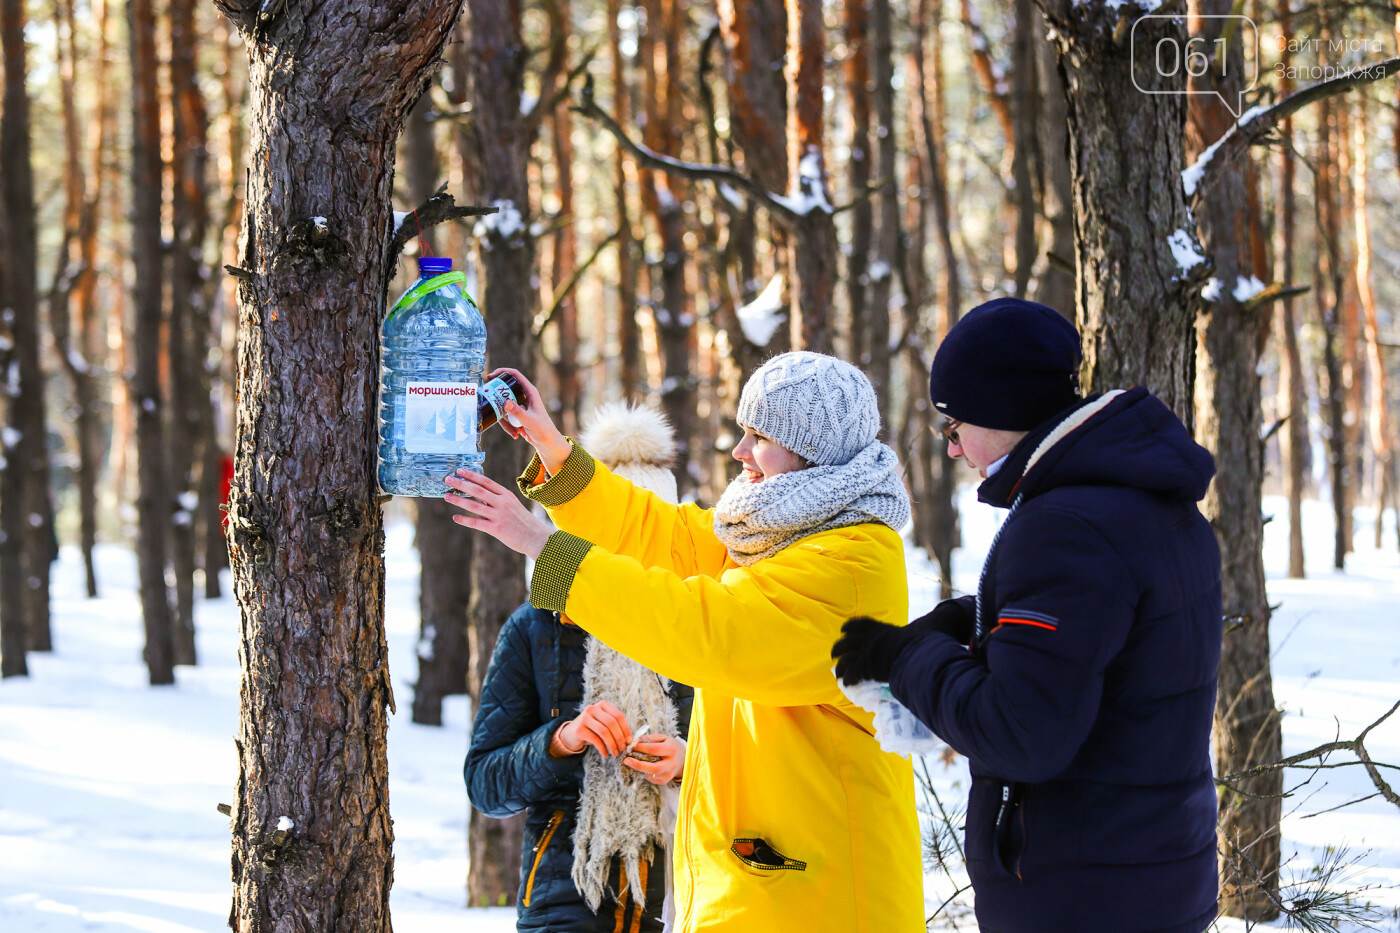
(492, 508)
(669, 749)
(601, 725)
(535, 425)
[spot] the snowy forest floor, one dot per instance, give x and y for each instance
(108, 787)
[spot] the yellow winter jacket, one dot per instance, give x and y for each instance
(791, 817)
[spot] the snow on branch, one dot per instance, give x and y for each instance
(1257, 123)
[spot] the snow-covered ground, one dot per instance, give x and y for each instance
(108, 787)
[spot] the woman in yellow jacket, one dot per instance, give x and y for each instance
(791, 816)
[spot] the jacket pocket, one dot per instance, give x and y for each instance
(548, 834)
(1009, 830)
(757, 853)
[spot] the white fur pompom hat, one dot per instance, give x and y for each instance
(636, 443)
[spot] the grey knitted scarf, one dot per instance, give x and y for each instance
(757, 520)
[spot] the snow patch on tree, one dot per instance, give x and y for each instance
(1184, 251)
(809, 189)
(1247, 288)
(506, 223)
(761, 317)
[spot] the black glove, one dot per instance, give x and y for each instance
(867, 649)
(951, 617)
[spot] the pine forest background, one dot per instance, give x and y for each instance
(681, 189)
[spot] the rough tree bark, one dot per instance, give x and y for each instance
(1135, 302)
(188, 333)
(445, 553)
(497, 155)
(331, 87)
(1231, 330)
(1054, 277)
(152, 498)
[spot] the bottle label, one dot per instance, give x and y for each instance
(497, 393)
(439, 418)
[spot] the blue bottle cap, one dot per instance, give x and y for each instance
(434, 265)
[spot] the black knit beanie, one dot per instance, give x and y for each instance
(1008, 364)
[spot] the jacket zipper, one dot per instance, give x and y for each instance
(554, 822)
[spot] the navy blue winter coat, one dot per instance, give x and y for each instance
(1085, 703)
(533, 685)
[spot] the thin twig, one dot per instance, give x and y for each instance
(543, 319)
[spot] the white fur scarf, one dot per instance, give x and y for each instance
(757, 520)
(620, 812)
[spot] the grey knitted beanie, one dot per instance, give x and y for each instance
(817, 406)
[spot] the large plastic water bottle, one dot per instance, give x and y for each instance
(434, 351)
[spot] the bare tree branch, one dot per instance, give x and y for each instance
(698, 171)
(440, 208)
(1356, 746)
(1257, 125)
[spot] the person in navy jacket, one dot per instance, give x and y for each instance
(1080, 680)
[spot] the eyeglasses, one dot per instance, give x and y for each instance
(949, 430)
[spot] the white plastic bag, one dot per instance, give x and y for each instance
(896, 728)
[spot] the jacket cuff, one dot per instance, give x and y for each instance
(573, 476)
(555, 568)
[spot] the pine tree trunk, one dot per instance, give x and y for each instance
(83, 368)
(1134, 303)
(26, 449)
(628, 335)
(859, 55)
(812, 254)
(152, 498)
(754, 36)
(670, 297)
(1293, 401)
(1327, 291)
(305, 523)
(497, 151)
(74, 280)
(888, 238)
(189, 316)
(1378, 412)
(1231, 334)
(942, 531)
(20, 331)
(1055, 276)
(1023, 141)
